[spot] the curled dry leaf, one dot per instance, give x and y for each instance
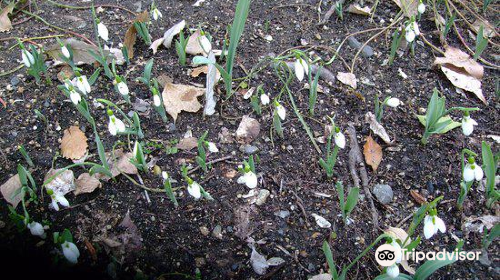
(488, 29)
(418, 197)
(5, 24)
(347, 79)
(193, 45)
(9, 190)
(131, 34)
(258, 262)
(63, 183)
(409, 7)
(168, 36)
(373, 153)
(321, 222)
(74, 143)
(464, 81)
(357, 9)
(86, 184)
(187, 143)
(81, 52)
(377, 128)
(248, 130)
(178, 98)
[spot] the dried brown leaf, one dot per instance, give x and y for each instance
(178, 98)
(347, 79)
(357, 9)
(81, 51)
(86, 184)
(9, 188)
(193, 45)
(462, 80)
(409, 7)
(488, 29)
(5, 24)
(74, 143)
(377, 128)
(131, 34)
(418, 197)
(187, 144)
(372, 152)
(63, 183)
(462, 61)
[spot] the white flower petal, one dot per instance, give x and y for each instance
(340, 140)
(194, 190)
(281, 111)
(299, 70)
(65, 51)
(409, 36)
(75, 97)
(264, 99)
(122, 88)
(440, 224)
(393, 102)
(428, 227)
(468, 173)
(70, 252)
(421, 8)
(156, 100)
(251, 180)
(478, 173)
(36, 229)
(305, 66)
(103, 31)
(393, 271)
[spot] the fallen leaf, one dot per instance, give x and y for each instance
(462, 61)
(242, 221)
(248, 130)
(193, 45)
(5, 24)
(464, 81)
(377, 128)
(168, 36)
(9, 188)
(178, 98)
(86, 184)
(118, 164)
(164, 79)
(195, 72)
(81, 52)
(323, 276)
(258, 262)
(91, 249)
(357, 9)
(347, 79)
(321, 222)
(488, 30)
(409, 7)
(275, 261)
(74, 143)
(418, 197)
(66, 73)
(131, 34)
(187, 144)
(63, 183)
(156, 44)
(212, 79)
(372, 152)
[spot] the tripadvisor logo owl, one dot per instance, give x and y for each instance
(385, 255)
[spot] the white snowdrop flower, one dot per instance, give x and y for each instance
(299, 70)
(205, 44)
(321, 222)
(468, 125)
(115, 125)
(264, 99)
(393, 271)
(194, 189)
(27, 58)
(122, 88)
(212, 148)
(393, 102)
(156, 14)
(75, 97)
(164, 175)
(136, 149)
(249, 179)
(249, 93)
(415, 28)
(103, 31)
(398, 255)
(57, 199)
(70, 252)
(433, 224)
(65, 51)
(156, 100)
(36, 229)
(304, 65)
(83, 84)
(473, 171)
(409, 35)
(281, 111)
(339, 139)
(421, 8)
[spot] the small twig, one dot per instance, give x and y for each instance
(11, 71)
(356, 158)
(300, 203)
(210, 162)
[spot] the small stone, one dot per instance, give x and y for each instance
(200, 261)
(282, 213)
(217, 232)
(355, 44)
(383, 193)
(262, 197)
(14, 81)
(204, 230)
(248, 149)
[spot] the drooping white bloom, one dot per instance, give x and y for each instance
(164, 175)
(339, 139)
(115, 125)
(36, 229)
(264, 99)
(393, 102)
(70, 252)
(122, 88)
(75, 97)
(299, 69)
(103, 31)
(421, 8)
(205, 44)
(409, 35)
(212, 148)
(156, 100)
(415, 28)
(281, 111)
(136, 149)
(156, 14)
(194, 189)
(57, 199)
(82, 84)
(433, 224)
(398, 255)
(468, 125)
(249, 179)
(305, 66)
(65, 51)
(473, 171)
(393, 271)
(27, 58)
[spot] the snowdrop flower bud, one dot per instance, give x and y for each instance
(472, 171)
(409, 35)
(75, 97)
(212, 148)
(421, 8)
(136, 149)
(393, 102)
(122, 88)
(70, 252)
(339, 138)
(281, 111)
(299, 69)
(264, 99)
(194, 189)
(164, 175)
(65, 52)
(27, 58)
(36, 229)
(83, 84)
(393, 271)
(249, 179)
(156, 14)
(305, 66)
(433, 224)
(468, 125)
(57, 199)
(156, 100)
(103, 32)
(115, 125)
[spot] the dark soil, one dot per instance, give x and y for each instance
(173, 245)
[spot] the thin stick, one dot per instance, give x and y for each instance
(210, 162)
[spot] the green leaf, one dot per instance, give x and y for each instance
(352, 199)
(451, 124)
(240, 17)
(329, 259)
(489, 166)
(429, 267)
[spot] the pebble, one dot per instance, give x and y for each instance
(248, 149)
(383, 193)
(282, 213)
(14, 81)
(217, 232)
(354, 43)
(262, 197)
(204, 230)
